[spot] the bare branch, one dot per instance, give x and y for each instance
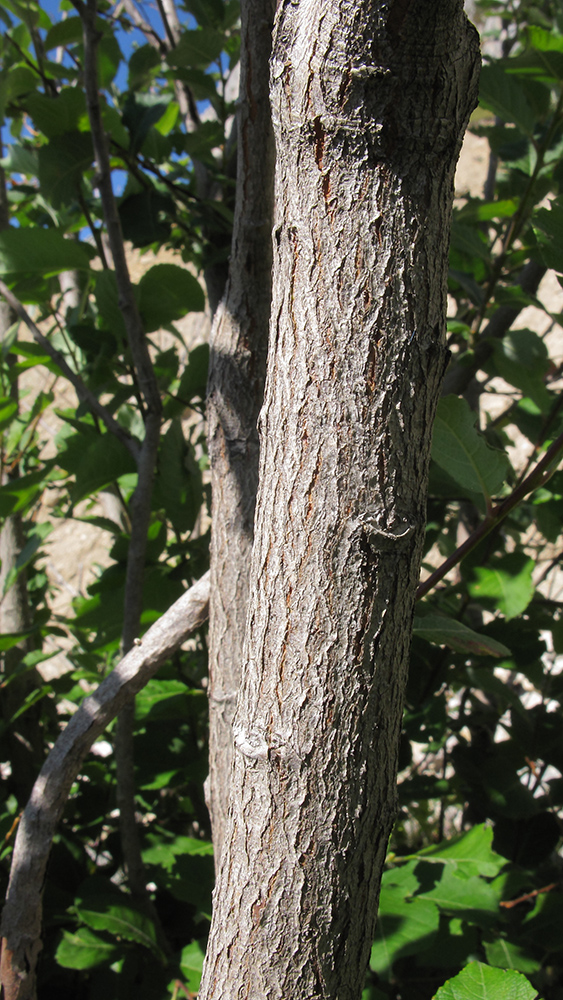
(82, 390)
(21, 918)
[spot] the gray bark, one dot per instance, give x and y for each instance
(239, 341)
(370, 101)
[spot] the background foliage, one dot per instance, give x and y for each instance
(471, 903)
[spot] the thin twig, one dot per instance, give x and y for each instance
(82, 390)
(21, 918)
(536, 478)
(146, 379)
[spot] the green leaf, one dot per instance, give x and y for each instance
(67, 32)
(167, 292)
(142, 65)
(19, 494)
(145, 217)
(62, 162)
(404, 927)
(507, 583)
(507, 955)
(481, 982)
(455, 893)
(107, 302)
(194, 377)
(140, 113)
(191, 964)
(101, 462)
(178, 488)
(8, 409)
(126, 920)
(463, 453)
(548, 228)
(505, 96)
(197, 48)
(36, 537)
(84, 950)
(60, 114)
(163, 699)
(471, 851)
(522, 359)
(448, 632)
(45, 251)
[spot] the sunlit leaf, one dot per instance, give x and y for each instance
(507, 583)
(83, 950)
(462, 452)
(481, 982)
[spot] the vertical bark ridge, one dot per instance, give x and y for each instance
(239, 341)
(370, 101)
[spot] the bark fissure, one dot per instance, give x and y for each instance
(369, 105)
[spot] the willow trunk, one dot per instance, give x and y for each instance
(370, 101)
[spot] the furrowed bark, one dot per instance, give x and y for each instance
(238, 343)
(370, 101)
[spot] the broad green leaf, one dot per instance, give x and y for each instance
(548, 228)
(102, 462)
(521, 359)
(84, 950)
(21, 80)
(158, 695)
(463, 453)
(164, 853)
(146, 217)
(453, 892)
(481, 982)
(194, 377)
(45, 251)
(448, 632)
(166, 293)
(107, 302)
(20, 160)
(472, 851)
(191, 964)
(404, 927)
(178, 489)
(142, 66)
(62, 162)
(197, 48)
(507, 583)
(505, 95)
(200, 144)
(140, 113)
(67, 32)
(60, 114)
(507, 955)
(103, 913)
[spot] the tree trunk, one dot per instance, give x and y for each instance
(370, 101)
(239, 342)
